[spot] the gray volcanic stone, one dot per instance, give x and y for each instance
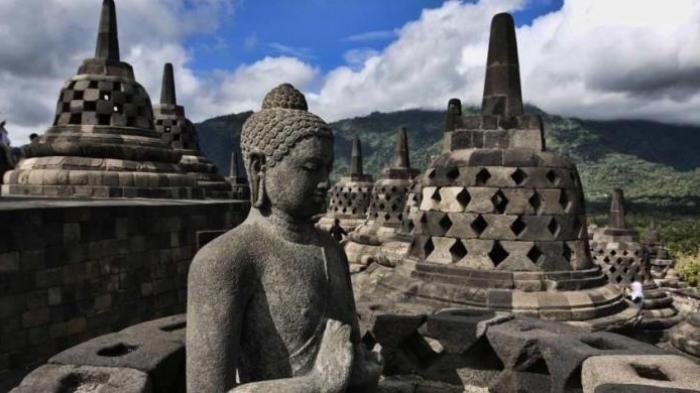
(640, 374)
(535, 350)
(270, 303)
(52, 378)
(161, 358)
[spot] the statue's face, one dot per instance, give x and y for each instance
(299, 183)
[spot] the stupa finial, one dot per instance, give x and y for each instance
(401, 159)
(107, 36)
(356, 157)
(454, 112)
(502, 93)
(617, 209)
(167, 92)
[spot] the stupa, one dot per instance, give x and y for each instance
(385, 211)
(176, 129)
(618, 251)
(502, 222)
(237, 179)
(102, 142)
(350, 197)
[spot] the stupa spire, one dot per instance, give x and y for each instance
(107, 36)
(401, 159)
(502, 93)
(356, 157)
(617, 209)
(167, 91)
(234, 171)
(454, 112)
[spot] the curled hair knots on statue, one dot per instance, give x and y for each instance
(283, 121)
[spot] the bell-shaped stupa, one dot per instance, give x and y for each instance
(616, 248)
(619, 252)
(350, 197)
(385, 211)
(502, 221)
(102, 143)
(177, 130)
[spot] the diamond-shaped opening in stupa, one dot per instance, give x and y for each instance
(519, 176)
(518, 226)
(479, 225)
(458, 251)
(536, 255)
(498, 254)
(482, 177)
(463, 197)
(445, 223)
(500, 202)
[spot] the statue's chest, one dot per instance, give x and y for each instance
(298, 277)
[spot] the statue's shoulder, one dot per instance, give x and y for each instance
(232, 251)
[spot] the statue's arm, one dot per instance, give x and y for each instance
(216, 298)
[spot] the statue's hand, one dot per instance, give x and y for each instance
(367, 368)
(333, 366)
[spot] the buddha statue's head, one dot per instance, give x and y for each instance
(288, 154)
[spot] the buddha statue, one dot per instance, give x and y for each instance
(270, 304)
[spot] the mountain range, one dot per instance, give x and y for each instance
(651, 161)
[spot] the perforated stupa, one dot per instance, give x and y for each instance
(350, 197)
(176, 129)
(102, 142)
(386, 207)
(619, 252)
(502, 222)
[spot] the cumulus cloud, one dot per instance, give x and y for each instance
(593, 58)
(596, 59)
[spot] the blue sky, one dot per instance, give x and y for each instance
(320, 32)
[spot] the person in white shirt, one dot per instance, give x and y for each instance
(636, 293)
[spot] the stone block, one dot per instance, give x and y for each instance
(53, 378)
(36, 317)
(640, 374)
(162, 359)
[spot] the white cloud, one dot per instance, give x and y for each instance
(597, 59)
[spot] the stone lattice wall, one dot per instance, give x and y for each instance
(72, 270)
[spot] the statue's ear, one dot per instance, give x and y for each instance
(257, 168)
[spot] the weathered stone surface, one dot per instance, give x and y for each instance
(160, 357)
(270, 304)
(686, 336)
(87, 268)
(53, 378)
(534, 351)
(640, 373)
